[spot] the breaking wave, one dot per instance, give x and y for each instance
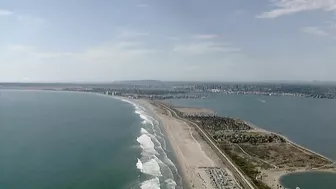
(139, 165)
(147, 145)
(151, 167)
(170, 184)
(150, 184)
(156, 168)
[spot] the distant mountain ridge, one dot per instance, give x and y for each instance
(141, 82)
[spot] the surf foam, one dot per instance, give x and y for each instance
(147, 145)
(170, 184)
(151, 184)
(153, 147)
(145, 117)
(139, 165)
(143, 131)
(151, 167)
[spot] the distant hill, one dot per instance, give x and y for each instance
(141, 82)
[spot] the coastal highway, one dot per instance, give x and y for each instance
(242, 178)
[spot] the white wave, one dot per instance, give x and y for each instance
(150, 142)
(151, 184)
(139, 110)
(128, 101)
(151, 167)
(166, 170)
(139, 165)
(166, 165)
(145, 117)
(170, 184)
(144, 131)
(170, 163)
(147, 145)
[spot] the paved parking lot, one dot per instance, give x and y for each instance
(221, 179)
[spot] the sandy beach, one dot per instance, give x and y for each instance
(191, 150)
(270, 177)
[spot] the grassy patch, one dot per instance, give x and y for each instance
(248, 168)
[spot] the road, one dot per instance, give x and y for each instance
(242, 178)
(258, 159)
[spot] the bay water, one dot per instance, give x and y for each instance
(58, 140)
(306, 121)
(309, 180)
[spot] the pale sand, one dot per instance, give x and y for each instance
(272, 177)
(194, 110)
(191, 150)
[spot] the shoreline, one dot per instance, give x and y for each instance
(179, 177)
(278, 174)
(147, 106)
(256, 128)
(275, 174)
(303, 172)
(174, 158)
(185, 184)
(236, 178)
(194, 155)
(184, 170)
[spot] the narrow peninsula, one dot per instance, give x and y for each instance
(255, 158)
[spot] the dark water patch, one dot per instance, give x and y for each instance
(309, 180)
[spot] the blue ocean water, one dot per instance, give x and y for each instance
(60, 140)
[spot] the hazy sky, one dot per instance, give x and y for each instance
(226, 40)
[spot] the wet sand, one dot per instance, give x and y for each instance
(191, 150)
(270, 177)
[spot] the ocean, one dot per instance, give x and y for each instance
(306, 121)
(60, 140)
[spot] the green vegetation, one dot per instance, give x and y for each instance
(262, 152)
(219, 124)
(248, 168)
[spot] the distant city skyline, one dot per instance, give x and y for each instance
(169, 40)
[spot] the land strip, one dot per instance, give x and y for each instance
(257, 157)
(200, 165)
(238, 174)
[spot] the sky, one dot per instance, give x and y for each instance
(186, 40)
